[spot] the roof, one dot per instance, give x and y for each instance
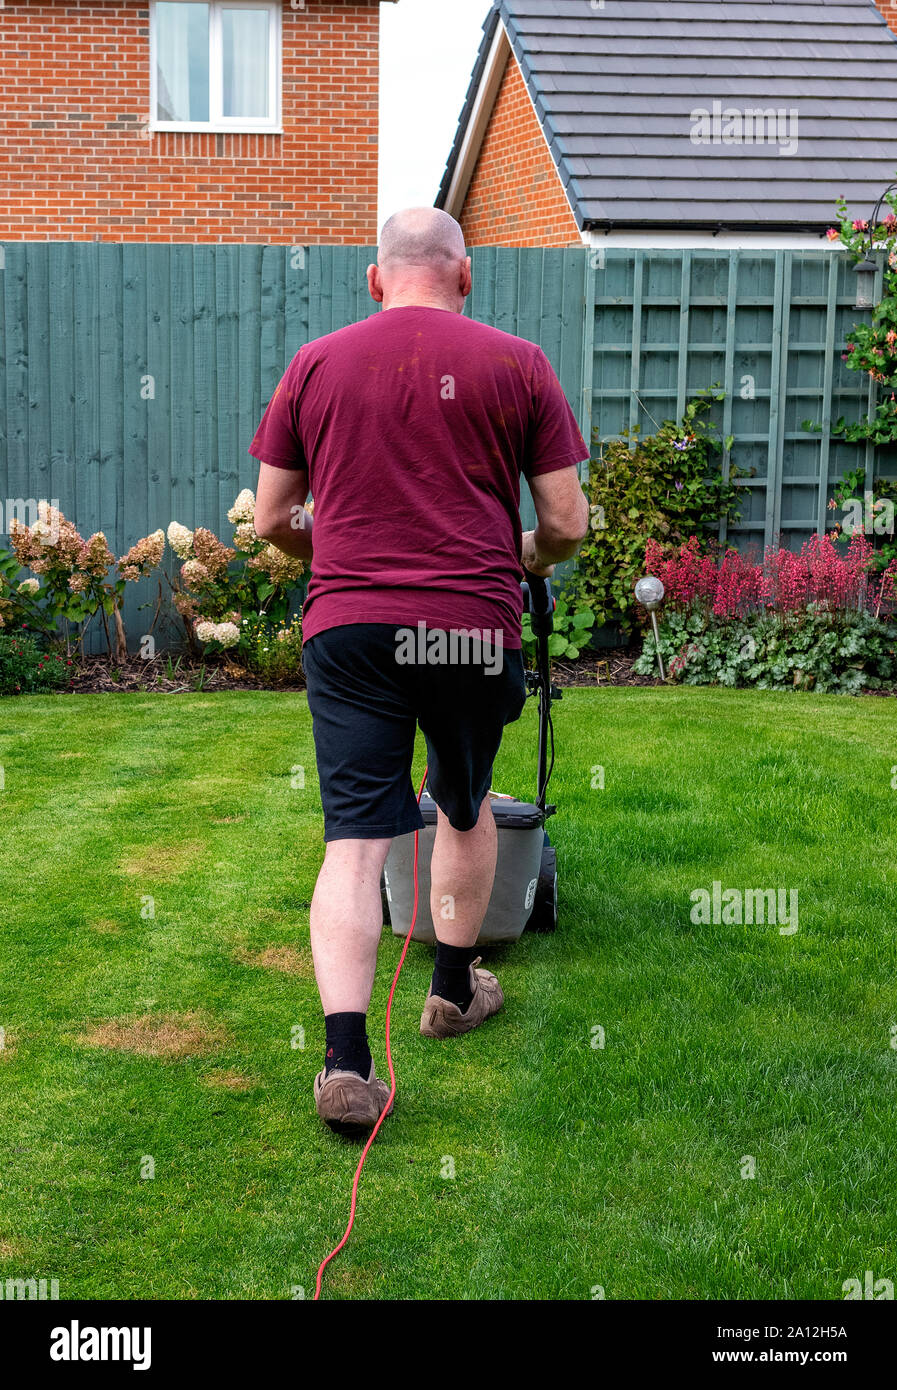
(619, 89)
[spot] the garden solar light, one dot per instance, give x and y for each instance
(649, 591)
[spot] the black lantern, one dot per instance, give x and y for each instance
(867, 268)
(866, 271)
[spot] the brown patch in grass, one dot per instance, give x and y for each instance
(162, 861)
(287, 959)
(170, 1036)
(274, 916)
(105, 926)
(230, 820)
(356, 1283)
(73, 755)
(230, 1080)
(11, 1249)
(9, 1044)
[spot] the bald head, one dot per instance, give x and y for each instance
(423, 237)
(421, 260)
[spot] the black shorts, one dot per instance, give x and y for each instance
(366, 705)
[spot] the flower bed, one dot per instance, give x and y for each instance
(807, 620)
(231, 599)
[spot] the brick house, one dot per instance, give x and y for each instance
(182, 121)
(613, 122)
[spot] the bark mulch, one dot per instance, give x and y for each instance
(613, 667)
(100, 674)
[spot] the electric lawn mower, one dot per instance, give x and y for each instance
(524, 895)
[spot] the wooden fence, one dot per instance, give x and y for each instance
(133, 376)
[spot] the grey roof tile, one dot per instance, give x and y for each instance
(615, 88)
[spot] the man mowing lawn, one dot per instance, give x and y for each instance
(411, 429)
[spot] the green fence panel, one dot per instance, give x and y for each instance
(768, 327)
(133, 377)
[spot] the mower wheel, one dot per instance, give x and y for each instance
(544, 916)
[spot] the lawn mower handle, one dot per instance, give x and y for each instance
(539, 603)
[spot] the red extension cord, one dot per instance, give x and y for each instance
(392, 1075)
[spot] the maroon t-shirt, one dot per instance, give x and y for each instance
(414, 427)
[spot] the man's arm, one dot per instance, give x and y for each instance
(562, 520)
(280, 515)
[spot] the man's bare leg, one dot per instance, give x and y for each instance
(346, 922)
(461, 875)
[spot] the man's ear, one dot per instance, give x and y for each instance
(375, 284)
(466, 280)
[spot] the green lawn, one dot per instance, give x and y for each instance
(575, 1165)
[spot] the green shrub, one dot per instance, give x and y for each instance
(572, 631)
(26, 669)
(816, 649)
(21, 598)
(667, 487)
(74, 584)
(219, 586)
(273, 651)
(869, 510)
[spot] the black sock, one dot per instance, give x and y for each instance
(451, 973)
(347, 1043)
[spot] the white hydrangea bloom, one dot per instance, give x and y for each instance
(29, 586)
(228, 634)
(244, 507)
(205, 631)
(244, 535)
(48, 527)
(180, 540)
(48, 516)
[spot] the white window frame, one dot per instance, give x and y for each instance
(270, 125)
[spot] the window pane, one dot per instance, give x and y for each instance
(244, 36)
(182, 61)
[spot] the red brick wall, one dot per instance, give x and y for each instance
(889, 10)
(74, 165)
(516, 197)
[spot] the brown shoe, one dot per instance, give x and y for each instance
(442, 1019)
(347, 1103)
